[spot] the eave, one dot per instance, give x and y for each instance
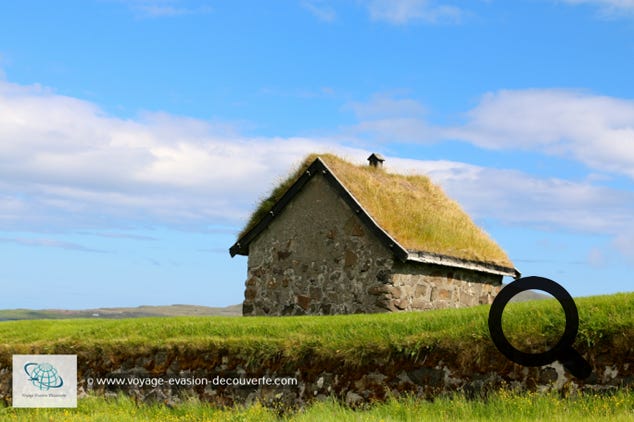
(450, 261)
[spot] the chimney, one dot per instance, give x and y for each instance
(376, 160)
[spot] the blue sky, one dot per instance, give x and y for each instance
(137, 135)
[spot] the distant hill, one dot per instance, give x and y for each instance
(114, 313)
(527, 295)
(163, 311)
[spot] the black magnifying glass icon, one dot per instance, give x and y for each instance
(562, 351)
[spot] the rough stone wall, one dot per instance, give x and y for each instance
(376, 378)
(417, 286)
(317, 257)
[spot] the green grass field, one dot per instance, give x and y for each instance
(346, 337)
(604, 320)
(503, 406)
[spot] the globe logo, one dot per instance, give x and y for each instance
(44, 376)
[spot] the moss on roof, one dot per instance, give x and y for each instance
(413, 210)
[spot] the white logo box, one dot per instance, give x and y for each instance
(44, 380)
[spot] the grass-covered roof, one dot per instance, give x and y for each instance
(410, 208)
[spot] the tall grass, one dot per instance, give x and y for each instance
(504, 405)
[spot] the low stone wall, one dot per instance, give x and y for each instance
(417, 286)
(377, 376)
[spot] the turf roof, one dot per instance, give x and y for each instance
(413, 210)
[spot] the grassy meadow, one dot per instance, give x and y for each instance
(349, 339)
(502, 406)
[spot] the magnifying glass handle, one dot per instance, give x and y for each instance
(575, 363)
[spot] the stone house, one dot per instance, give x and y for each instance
(336, 238)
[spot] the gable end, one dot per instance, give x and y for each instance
(241, 247)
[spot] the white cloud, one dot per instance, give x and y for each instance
(397, 130)
(596, 130)
(63, 162)
(167, 8)
(49, 243)
(384, 105)
(624, 242)
(321, 11)
(609, 8)
(385, 118)
(403, 11)
(596, 258)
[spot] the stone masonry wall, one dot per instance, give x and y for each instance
(417, 286)
(375, 378)
(317, 257)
